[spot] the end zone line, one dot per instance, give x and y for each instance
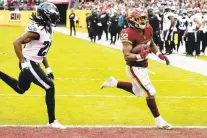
(101, 96)
(98, 126)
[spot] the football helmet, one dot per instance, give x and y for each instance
(185, 13)
(190, 12)
(173, 9)
(49, 13)
(137, 18)
(150, 11)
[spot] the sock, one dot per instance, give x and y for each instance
(50, 102)
(13, 83)
(127, 86)
(152, 106)
(159, 120)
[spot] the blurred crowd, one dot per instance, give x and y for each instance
(18, 5)
(174, 23)
(125, 4)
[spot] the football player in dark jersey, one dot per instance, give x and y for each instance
(137, 42)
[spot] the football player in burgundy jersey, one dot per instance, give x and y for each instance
(137, 42)
(37, 40)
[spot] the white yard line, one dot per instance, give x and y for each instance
(98, 126)
(101, 96)
(94, 79)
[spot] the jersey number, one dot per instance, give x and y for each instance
(124, 36)
(182, 24)
(43, 51)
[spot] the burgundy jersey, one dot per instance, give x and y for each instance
(135, 38)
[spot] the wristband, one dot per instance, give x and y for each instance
(48, 70)
(138, 56)
(158, 53)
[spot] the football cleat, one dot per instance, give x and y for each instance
(110, 82)
(165, 126)
(56, 124)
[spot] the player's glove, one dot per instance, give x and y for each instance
(49, 73)
(25, 65)
(163, 57)
(144, 53)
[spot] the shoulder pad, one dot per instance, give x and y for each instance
(32, 28)
(125, 35)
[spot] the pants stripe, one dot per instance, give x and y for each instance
(37, 77)
(138, 82)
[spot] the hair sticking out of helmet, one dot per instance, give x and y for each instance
(47, 15)
(137, 18)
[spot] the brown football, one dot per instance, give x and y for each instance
(137, 48)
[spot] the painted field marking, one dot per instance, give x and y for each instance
(99, 126)
(94, 79)
(94, 68)
(173, 58)
(101, 96)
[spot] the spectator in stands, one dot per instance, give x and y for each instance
(24, 5)
(120, 23)
(113, 29)
(14, 6)
(1, 4)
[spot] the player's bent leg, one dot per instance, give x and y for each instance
(50, 102)
(15, 84)
(42, 80)
(142, 82)
(159, 121)
(109, 83)
(127, 86)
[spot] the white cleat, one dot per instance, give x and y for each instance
(110, 82)
(165, 126)
(56, 124)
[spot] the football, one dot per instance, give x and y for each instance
(137, 48)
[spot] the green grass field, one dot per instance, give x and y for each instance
(80, 67)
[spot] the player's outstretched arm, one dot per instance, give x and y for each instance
(155, 50)
(48, 69)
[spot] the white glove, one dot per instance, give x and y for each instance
(48, 70)
(49, 73)
(25, 65)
